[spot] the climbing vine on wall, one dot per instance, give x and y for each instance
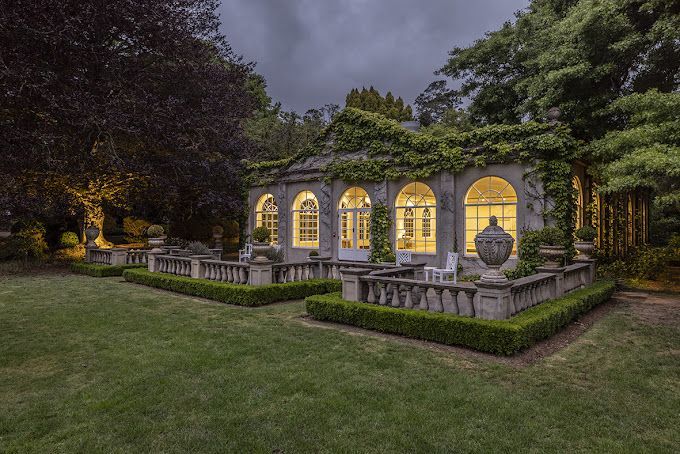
(381, 224)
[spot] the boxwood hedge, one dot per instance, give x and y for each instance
(242, 295)
(503, 337)
(93, 270)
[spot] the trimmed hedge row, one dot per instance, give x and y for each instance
(242, 295)
(93, 270)
(503, 337)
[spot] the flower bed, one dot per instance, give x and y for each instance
(90, 269)
(503, 337)
(242, 295)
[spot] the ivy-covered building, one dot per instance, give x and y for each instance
(370, 186)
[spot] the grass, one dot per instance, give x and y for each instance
(100, 365)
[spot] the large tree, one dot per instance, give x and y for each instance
(99, 98)
(579, 55)
(371, 101)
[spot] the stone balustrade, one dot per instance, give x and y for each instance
(293, 272)
(173, 264)
(136, 256)
(100, 256)
(576, 276)
(232, 272)
(531, 290)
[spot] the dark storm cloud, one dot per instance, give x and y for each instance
(312, 52)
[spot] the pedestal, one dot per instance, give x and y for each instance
(494, 300)
(197, 268)
(261, 271)
(152, 263)
(118, 256)
(592, 270)
(559, 278)
(353, 288)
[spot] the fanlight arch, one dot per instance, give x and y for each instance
(354, 197)
(305, 211)
(267, 215)
(416, 219)
(489, 196)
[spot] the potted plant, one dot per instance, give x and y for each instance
(261, 246)
(586, 241)
(156, 236)
(552, 248)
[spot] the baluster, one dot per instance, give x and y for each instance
(305, 273)
(206, 272)
(396, 300)
(282, 274)
(230, 273)
(438, 304)
(408, 301)
(454, 301)
(336, 273)
(423, 305)
(236, 274)
(243, 278)
(383, 294)
(371, 293)
(470, 304)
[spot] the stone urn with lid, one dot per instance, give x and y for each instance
(91, 234)
(494, 246)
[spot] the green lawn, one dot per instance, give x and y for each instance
(100, 365)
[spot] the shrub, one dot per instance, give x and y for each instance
(586, 233)
(242, 295)
(494, 336)
(135, 228)
(198, 248)
(275, 254)
(529, 259)
(28, 243)
(174, 241)
(155, 231)
(389, 258)
(69, 239)
(313, 253)
(552, 236)
(90, 269)
(261, 234)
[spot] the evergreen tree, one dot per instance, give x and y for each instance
(371, 101)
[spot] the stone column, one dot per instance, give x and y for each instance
(283, 210)
(197, 268)
(559, 278)
(261, 270)
(591, 268)
(353, 289)
(325, 221)
(118, 256)
(494, 300)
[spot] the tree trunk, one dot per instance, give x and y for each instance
(94, 214)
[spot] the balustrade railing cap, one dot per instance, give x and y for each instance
(355, 271)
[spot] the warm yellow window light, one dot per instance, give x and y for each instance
(416, 219)
(355, 214)
(576, 181)
(267, 215)
(489, 196)
(306, 220)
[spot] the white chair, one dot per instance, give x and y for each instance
(246, 253)
(451, 269)
(403, 257)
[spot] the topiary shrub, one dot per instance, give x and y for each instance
(586, 233)
(261, 234)
(313, 253)
(69, 239)
(552, 236)
(90, 269)
(155, 231)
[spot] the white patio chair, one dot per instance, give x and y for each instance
(246, 253)
(403, 257)
(450, 270)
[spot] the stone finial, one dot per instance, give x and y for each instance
(554, 114)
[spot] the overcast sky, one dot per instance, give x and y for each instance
(312, 52)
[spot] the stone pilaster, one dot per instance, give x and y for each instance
(261, 271)
(494, 300)
(353, 289)
(284, 207)
(559, 278)
(118, 256)
(592, 270)
(325, 220)
(197, 268)
(152, 263)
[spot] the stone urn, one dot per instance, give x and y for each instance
(584, 248)
(261, 249)
(552, 255)
(91, 234)
(156, 244)
(494, 246)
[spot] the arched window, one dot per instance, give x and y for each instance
(306, 220)
(579, 202)
(416, 216)
(267, 215)
(489, 196)
(354, 198)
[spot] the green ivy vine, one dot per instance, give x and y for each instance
(381, 224)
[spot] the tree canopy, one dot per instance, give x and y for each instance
(579, 55)
(97, 98)
(371, 101)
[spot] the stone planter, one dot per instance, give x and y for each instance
(91, 234)
(156, 244)
(494, 246)
(584, 248)
(552, 255)
(261, 249)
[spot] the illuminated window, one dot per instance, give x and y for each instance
(489, 196)
(306, 220)
(355, 219)
(416, 227)
(267, 215)
(579, 201)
